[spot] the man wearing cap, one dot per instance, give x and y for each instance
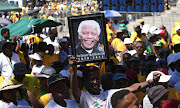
(37, 60)
(120, 80)
(7, 60)
(88, 34)
(43, 77)
(176, 75)
(64, 52)
(137, 36)
(29, 82)
(157, 95)
(59, 92)
(94, 97)
(176, 38)
(164, 79)
(141, 22)
(123, 27)
(9, 98)
(118, 43)
(128, 43)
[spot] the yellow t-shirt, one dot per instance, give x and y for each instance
(164, 43)
(174, 31)
(27, 9)
(48, 60)
(141, 78)
(175, 39)
(133, 35)
(140, 95)
(30, 83)
(173, 93)
(118, 44)
(108, 30)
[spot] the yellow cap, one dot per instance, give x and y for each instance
(141, 20)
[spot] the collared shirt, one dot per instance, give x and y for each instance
(7, 65)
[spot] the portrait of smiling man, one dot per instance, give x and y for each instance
(88, 34)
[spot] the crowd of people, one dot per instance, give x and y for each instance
(143, 69)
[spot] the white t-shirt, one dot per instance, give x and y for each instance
(21, 104)
(6, 66)
(36, 69)
(146, 102)
(55, 43)
(69, 103)
(103, 100)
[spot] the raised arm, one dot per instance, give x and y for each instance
(73, 81)
(140, 86)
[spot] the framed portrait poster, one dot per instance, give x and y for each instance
(88, 37)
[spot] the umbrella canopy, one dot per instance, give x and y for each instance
(32, 12)
(24, 27)
(4, 21)
(112, 13)
(8, 7)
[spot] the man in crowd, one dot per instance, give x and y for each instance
(60, 93)
(124, 99)
(88, 34)
(8, 59)
(95, 97)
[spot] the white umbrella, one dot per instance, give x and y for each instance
(5, 21)
(112, 13)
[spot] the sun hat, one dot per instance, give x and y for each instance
(20, 69)
(163, 77)
(54, 78)
(119, 76)
(156, 92)
(157, 43)
(35, 56)
(46, 72)
(127, 41)
(122, 26)
(7, 84)
(157, 32)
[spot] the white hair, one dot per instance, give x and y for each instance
(91, 23)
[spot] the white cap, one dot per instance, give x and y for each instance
(62, 40)
(152, 29)
(127, 41)
(170, 58)
(177, 27)
(35, 56)
(145, 29)
(163, 77)
(176, 56)
(65, 73)
(157, 32)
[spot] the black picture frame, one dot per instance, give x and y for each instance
(100, 49)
